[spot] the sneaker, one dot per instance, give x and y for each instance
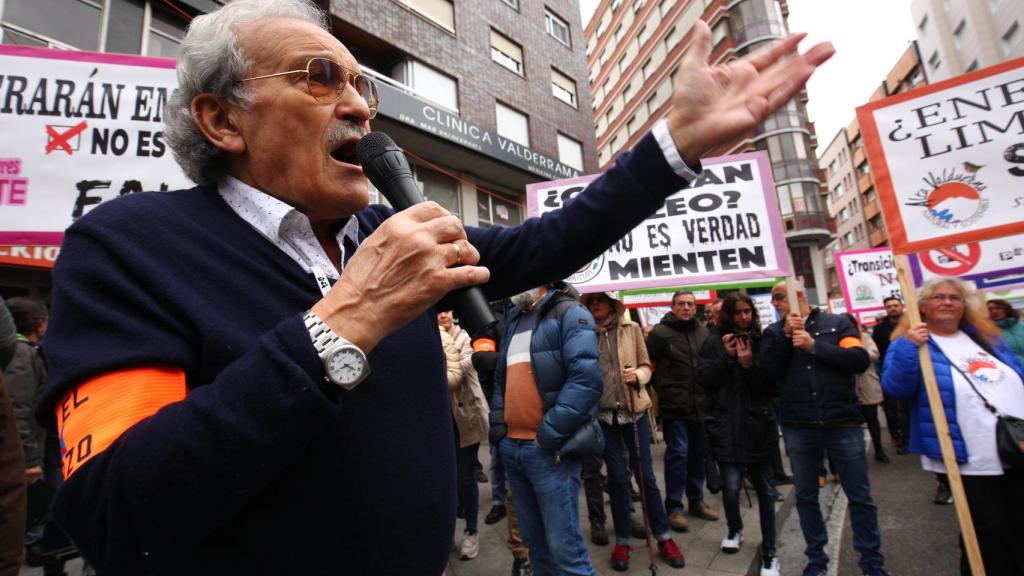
(770, 566)
(598, 534)
(702, 510)
(815, 571)
(496, 514)
(731, 542)
(521, 567)
(620, 557)
(470, 547)
(882, 458)
(677, 520)
(671, 553)
(943, 495)
(782, 480)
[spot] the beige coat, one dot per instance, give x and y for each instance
(869, 387)
(632, 351)
(469, 407)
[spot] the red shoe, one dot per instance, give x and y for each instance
(620, 557)
(671, 553)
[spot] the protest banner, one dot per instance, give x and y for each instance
(80, 128)
(646, 298)
(948, 159)
(867, 277)
(766, 312)
(977, 261)
(27, 256)
(724, 228)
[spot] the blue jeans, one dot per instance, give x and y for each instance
(845, 450)
(619, 438)
(684, 462)
(731, 483)
(497, 478)
(546, 496)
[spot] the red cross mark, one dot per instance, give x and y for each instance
(63, 140)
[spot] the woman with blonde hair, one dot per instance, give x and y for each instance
(976, 373)
(469, 410)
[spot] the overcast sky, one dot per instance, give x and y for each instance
(869, 36)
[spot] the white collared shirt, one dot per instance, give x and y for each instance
(284, 226)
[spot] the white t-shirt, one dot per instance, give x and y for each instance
(999, 383)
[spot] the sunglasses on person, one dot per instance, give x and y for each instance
(326, 81)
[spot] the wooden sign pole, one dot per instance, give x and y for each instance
(963, 513)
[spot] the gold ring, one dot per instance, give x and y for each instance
(458, 252)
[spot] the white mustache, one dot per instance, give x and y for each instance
(341, 132)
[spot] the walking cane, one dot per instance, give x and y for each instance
(641, 482)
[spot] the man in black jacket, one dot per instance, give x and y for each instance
(674, 345)
(814, 356)
(897, 417)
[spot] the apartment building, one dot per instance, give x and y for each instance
(957, 36)
(633, 49)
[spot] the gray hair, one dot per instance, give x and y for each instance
(210, 60)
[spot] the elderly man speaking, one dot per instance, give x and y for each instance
(204, 431)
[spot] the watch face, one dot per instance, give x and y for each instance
(346, 365)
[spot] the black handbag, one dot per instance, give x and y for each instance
(1009, 429)
(588, 439)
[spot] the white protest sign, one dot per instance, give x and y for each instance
(972, 261)
(868, 277)
(766, 313)
(948, 159)
(80, 128)
(837, 305)
(724, 228)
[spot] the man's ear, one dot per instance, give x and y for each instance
(215, 119)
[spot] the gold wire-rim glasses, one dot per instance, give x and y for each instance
(327, 90)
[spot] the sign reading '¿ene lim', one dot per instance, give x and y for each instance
(724, 227)
(79, 129)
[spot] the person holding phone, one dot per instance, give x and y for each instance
(740, 422)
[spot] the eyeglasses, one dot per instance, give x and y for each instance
(326, 81)
(951, 298)
(778, 297)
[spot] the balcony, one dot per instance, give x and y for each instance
(864, 183)
(809, 226)
(878, 238)
(858, 156)
(871, 209)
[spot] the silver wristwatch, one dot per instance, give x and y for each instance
(344, 363)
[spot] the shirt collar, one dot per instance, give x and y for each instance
(269, 215)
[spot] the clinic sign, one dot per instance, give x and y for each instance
(411, 110)
(948, 159)
(725, 227)
(80, 129)
(868, 277)
(975, 261)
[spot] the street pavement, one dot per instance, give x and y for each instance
(918, 537)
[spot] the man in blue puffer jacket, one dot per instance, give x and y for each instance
(546, 388)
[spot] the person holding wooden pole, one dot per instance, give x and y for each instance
(975, 372)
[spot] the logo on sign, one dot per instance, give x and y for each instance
(588, 272)
(863, 293)
(952, 200)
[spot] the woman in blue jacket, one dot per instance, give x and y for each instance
(964, 344)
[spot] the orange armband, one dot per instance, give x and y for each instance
(95, 413)
(484, 345)
(850, 342)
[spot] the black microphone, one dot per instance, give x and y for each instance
(386, 166)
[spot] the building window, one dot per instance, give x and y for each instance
(563, 88)
(848, 239)
(934, 61)
(839, 191)
(973, 66)
(645, 34)
(440, 12)
(832, 167)
(570, 152)
(958, 33)
(166, 29)
(637, 5)
(557, 28)
(648, 68)
(923, 25)
(1011, 39)
(506, 52)
(493, 210)
(74, 23)
(440, 188)
(429, 83)
(512, 124)
(843, 215)
(720, 32)
(512, 3)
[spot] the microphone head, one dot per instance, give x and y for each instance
(373, 145)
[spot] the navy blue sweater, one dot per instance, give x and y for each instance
(261, 469)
